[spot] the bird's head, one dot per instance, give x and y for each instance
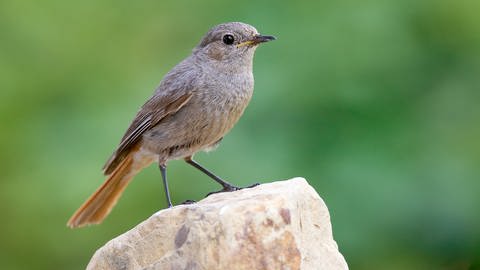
(233, 43)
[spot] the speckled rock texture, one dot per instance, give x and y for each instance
(280, 225)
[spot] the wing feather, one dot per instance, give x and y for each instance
(151, 113)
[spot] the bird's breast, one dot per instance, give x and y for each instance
(224, 99)
(216, 105)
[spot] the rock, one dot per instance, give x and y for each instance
(280, 225)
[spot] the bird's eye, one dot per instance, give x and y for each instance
(228, 39)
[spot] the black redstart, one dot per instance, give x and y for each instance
(194, 106)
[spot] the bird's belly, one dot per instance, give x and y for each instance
(197, 126)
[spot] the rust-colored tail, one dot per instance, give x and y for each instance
(98, 206)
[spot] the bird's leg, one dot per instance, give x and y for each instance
(163, 170)
(227, 187)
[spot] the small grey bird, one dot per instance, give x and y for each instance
(194, 106)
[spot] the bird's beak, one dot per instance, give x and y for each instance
(257, 39)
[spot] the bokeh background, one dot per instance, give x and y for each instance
(375, 102)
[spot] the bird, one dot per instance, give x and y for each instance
(196, 103)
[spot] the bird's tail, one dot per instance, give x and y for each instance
(98, 206)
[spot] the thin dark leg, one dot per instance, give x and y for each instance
(226, 186)
(163, 170)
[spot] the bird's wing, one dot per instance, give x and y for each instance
(153, 111)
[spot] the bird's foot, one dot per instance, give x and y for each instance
(189, 202)
(230, 188)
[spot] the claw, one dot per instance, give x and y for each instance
(231, 188)
(253, 185)
(189, 202)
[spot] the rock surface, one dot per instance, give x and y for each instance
(280, 225)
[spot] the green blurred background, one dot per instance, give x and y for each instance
(376, 103)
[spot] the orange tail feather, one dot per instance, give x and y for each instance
(98, 206)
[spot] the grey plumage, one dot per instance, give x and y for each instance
(194, 106)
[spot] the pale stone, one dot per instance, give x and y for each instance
(280, 225)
